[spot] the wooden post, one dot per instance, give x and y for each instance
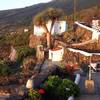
(90, 77)
(89, 84)
(74, 10)
(32, 26)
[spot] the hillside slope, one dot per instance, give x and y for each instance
(12, 19)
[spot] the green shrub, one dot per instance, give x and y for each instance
(24, 51)
(28, 64)
(4, 68)
(4, 40)
(54, 81)
(67, 88)
(20, 40)
(60, 89)
(50, 86)
(15, 39)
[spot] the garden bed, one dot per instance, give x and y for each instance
(54, 88)
(57, 84)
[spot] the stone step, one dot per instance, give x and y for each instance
(88, 97)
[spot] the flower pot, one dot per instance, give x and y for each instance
(89, 85)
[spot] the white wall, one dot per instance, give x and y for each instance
(38, 30)
(56, 55)
(95, 24)
(59, 27)
(26, 30)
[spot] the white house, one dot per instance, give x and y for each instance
(38, 31)
(95, 32)
(95, 24)
(56, 54)
(58, 28)
(26, 29)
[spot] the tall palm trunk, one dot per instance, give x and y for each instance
(48, 40)
(48, 36)
(52, 24)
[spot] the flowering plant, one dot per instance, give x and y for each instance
(59, 89)
(72, 66)
(34, 94)
(41, 91)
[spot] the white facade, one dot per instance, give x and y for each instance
(95, 32)
(95, 24)
(56, 54)
(58, 28)
(38, 30)
(26, 30)
(95, 35)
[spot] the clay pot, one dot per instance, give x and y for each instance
(89, 85)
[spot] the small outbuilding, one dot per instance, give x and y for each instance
(56, 54)
(96, 23)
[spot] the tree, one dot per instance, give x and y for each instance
(43, 17)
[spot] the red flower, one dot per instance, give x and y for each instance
(68, 67)
(41, 91)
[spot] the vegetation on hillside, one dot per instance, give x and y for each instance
(20, 43)
(17, 18)
(4, 68)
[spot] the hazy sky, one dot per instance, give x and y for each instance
(10, 4)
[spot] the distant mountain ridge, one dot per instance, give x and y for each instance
(14, 18)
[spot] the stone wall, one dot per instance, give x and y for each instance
(36, 40)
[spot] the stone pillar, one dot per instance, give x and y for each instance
(40, 52)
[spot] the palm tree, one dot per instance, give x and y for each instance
(42, 18)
